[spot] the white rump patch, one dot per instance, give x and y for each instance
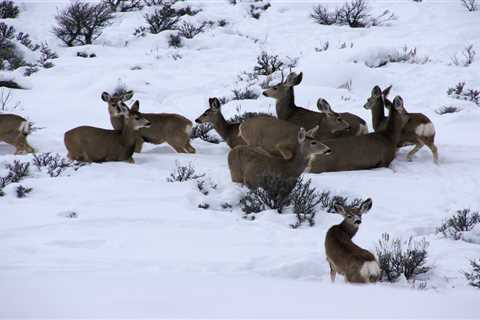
(425, 130)
(24, 127)
(188, 130)
(370, 269)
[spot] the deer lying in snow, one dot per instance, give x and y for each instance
(345, 257)
(14, 131)
(419, 130)
(91, 144)
(228, 131)
(248, 164)
(368, 151)
(171, 128)
(328, 120)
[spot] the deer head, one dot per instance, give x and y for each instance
(353, 216)
(283, 88)
(116, 103)
(334, 121)
(211, 113)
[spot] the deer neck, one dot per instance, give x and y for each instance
(299, 161)
(221, 125)
(378, 115)
(394, 125)
(286, 105)
(129, 136)
(350, 230)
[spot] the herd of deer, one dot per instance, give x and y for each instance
(298, 140)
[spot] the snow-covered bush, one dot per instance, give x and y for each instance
(165, 18)
(245, 93)
(470, 5)
(8, 10)
(183, 173)
(258, 7)
(202, 131)
(22, 191)
(17, 170)
(267, 64)
(396, 258)
(83, 54)
(175, 40)
(473, 276)
(462, 221)
(305, 199)
(82, 22)
(55, 164)
(355, 14)
(273, 193)
(447, 109)
(242, 116)
(124, 5)
(459, 92)
(189, 30)
(205, 186)
(10, 57)
(10, 84)
(468, 57)
(384, 57)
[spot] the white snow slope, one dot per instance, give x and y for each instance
(141, 247)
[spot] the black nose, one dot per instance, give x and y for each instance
(148, 124)
(198, 121)
(349, 128)
(358, 222)
(328, 152)
(264, 93)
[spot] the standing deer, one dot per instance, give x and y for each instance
(171, 128)
(345, 257)
(91, 144)
(368, 151)
(248, 164)
(326, 119)
(228, 131)
(14, 131)
(419, 130)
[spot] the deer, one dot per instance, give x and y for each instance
(92, 144)
(14, 130)
(373, 150)
(228, 131)
(249, 164)
(171, 128)
(328, 120)
(418, 131)
(345, 257)
(277, 137)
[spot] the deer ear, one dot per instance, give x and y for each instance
(105, 96)
(215, 103)
(324, 106)
(135, 106)
(127, 95)
(339, 209)
(301, 135)
(366, 206)
(386, 91)
(376, 91)
(293, 79)
(398, 103)
(284, 151)
(312, 132)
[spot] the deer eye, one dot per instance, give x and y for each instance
(349, 216)
(339, 120)
(137, 118)
(314, 143)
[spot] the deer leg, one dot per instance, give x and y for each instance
(434, 150)
(415, 149)
(130, 160)
(333, 273)
(23, 144)
(188, 147)
(139, 145)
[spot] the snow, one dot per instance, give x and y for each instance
(140, 246)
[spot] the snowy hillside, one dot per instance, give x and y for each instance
(140, 246)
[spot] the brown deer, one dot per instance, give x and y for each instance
(328, 121)
(91, 144)
(419, 130)
(345, 257)
(276, 137)
(171, 128)
(14, 131)
(228, 131)
(367, 151)
(248, 164)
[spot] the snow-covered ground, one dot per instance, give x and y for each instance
(140, 246)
